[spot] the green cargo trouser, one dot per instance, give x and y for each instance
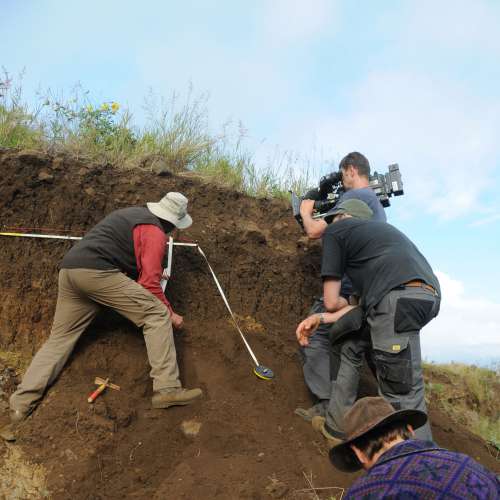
(81, 292)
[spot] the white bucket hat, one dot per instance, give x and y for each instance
(172, 208)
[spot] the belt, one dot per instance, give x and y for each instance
(419, 284)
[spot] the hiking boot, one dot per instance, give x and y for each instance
(309, 413)
(8, 432)
(18, 416)
(175, 397)
(318, 424)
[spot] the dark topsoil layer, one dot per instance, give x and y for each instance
(250, 445)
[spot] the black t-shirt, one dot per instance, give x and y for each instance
(376, 256)
(367, 195)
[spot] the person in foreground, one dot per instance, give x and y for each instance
(117, 264)
(398, 295)
(382, 441)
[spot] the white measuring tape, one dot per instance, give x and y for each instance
(228, 307)
(166, 272)
(222, 294)
(49, 236)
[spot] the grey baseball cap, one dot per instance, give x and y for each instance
(355, 208)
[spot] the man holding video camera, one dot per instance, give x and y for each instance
(354, 171)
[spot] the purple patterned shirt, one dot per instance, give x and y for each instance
(420, 470)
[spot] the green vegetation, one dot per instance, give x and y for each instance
(17, 125)
(176, 137)
(469, 394)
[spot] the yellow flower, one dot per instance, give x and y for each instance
(105, 106)
(115, 107)
(90, 108)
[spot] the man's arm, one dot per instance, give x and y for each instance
(149, 247)
(336, 307)
(314, 228)
(309, 325)
(331, 295)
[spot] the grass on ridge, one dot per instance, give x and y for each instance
(18, 126)
(176, 136)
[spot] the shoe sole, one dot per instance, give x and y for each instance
(318, 424)
(303, 413)
(7, 433)
(172, 403)
(17, 417)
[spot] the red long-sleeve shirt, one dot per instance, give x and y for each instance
(149, 247)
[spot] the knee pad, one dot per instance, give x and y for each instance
(348, 323)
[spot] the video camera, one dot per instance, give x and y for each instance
(330, 189)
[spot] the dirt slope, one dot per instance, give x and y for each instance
(249, 443)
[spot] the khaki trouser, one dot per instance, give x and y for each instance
(81, 291)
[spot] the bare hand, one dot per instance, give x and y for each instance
(306, 328)
(177, 321)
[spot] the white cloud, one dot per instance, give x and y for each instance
(299, 20)
(467, 328)
(239, 85)
(456, 25)
(444, 138)
(488, 219)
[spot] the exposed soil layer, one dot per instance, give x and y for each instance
(242, 440)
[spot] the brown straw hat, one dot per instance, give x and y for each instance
(365, 415)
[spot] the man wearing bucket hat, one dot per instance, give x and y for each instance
(382, 441)
(399, 294)
(117, 264)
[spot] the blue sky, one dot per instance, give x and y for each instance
(413, 82)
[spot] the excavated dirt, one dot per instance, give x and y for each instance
(242, 440)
